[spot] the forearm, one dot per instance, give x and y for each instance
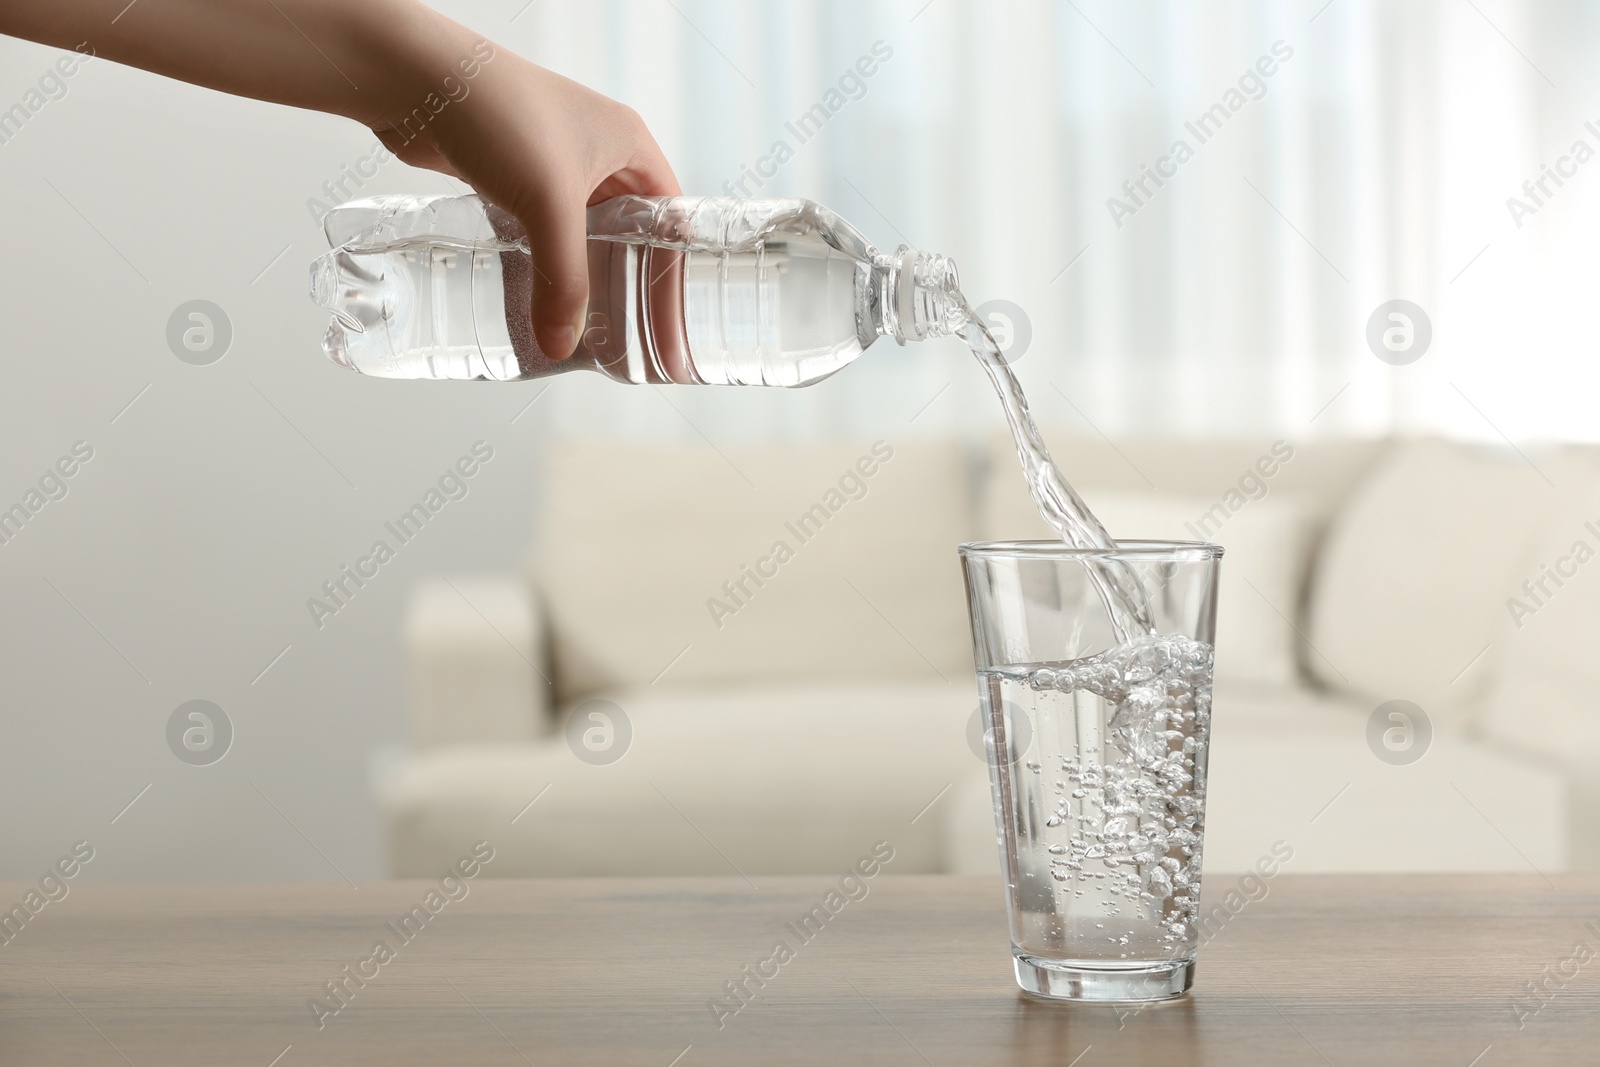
(525, 138)
(364, 59)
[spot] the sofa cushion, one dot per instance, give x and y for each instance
(1542, 697)
(1298, 768)
(758, 780)
(1412, 578)
(706, 565)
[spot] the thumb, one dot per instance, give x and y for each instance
(558, 239)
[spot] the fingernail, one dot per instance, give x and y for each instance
(558, 342)
(580, 323)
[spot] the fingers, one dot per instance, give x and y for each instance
(558, 235)
(545, 148)
(558, 239)
(642, 168)
(649, 166)
(655, 172)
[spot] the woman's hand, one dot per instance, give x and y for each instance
(542, 147)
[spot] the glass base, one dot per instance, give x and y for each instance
(1072, 980)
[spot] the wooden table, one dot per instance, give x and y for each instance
(1337, 970)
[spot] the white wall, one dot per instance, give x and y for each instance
(179, 564)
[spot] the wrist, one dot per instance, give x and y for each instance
(405, 52)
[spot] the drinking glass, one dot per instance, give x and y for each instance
(1097, 756)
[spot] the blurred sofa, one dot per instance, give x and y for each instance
(757, 662)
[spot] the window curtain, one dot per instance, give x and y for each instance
(1339, 156)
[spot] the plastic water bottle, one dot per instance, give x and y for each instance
(690, 290)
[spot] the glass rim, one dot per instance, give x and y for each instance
(1132, 548)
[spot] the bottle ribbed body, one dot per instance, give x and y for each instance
(686, 290)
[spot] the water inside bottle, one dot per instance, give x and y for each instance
(748, 293)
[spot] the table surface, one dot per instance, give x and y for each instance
(1339, 970)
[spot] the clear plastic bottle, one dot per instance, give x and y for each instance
(691, 290)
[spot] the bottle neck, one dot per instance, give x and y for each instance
(916, 295)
